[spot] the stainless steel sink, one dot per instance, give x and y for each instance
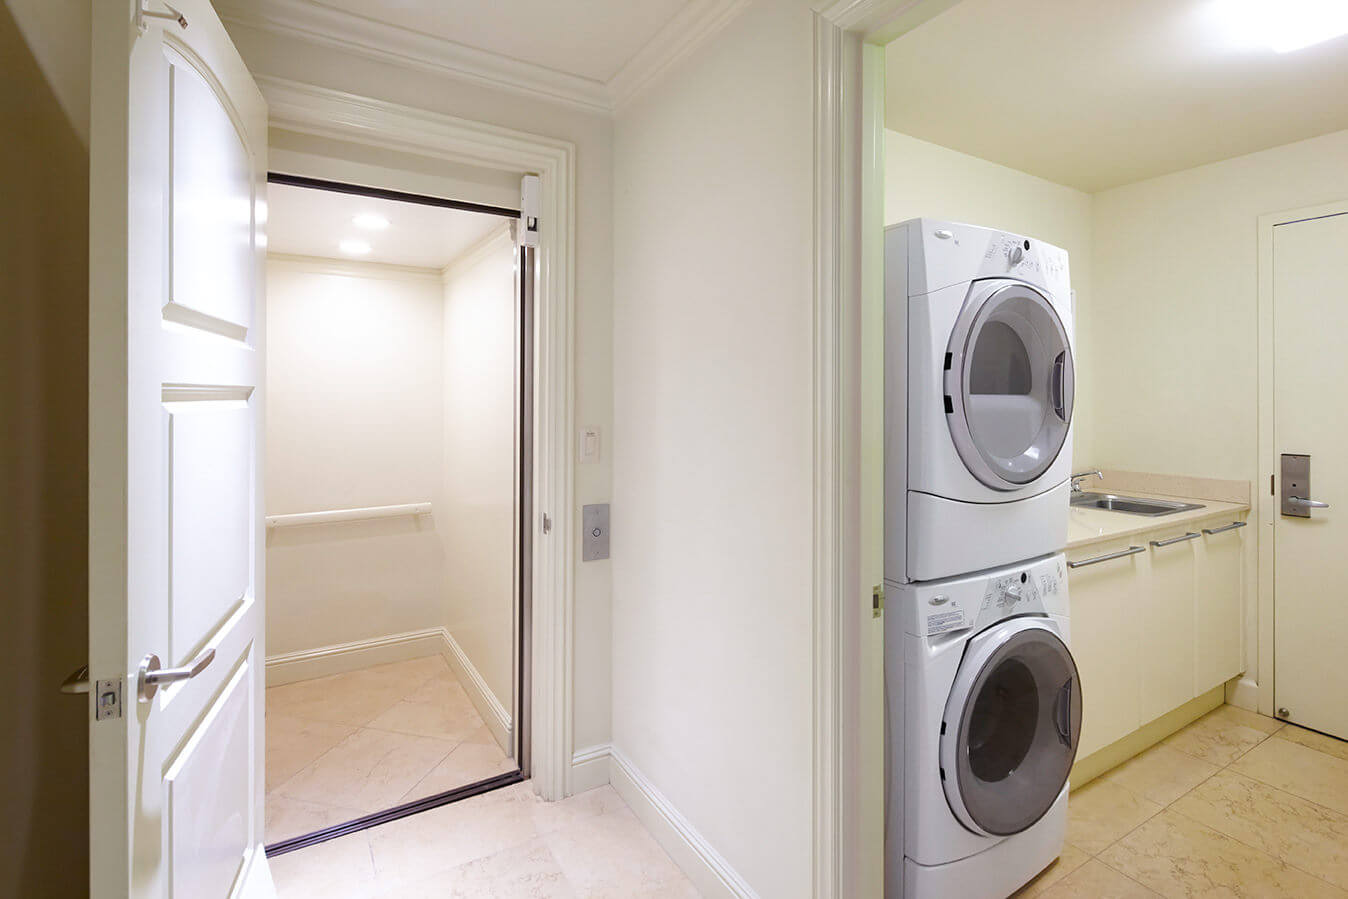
(1132, 505)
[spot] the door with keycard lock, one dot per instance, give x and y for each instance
(1310, 475)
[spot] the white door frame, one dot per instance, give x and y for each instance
(1259, 620)
(849, 177)
(327, 113)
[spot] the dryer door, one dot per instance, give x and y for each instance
(1011, 724)
(1009, 384)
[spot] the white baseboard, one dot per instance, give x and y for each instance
(1243, 692)
(432, 641)
(493, 712)
(342, 657)
(590, 768)
(703, 865)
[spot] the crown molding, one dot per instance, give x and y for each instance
(330, 27)
(316, 23)
(690, 28)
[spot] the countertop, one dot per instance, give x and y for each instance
(1087, 526)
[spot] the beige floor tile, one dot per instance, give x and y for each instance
(293, 743)
(1316, 741)
(1096, 880)
(446, 713)
(611, 856)
(1300, 833)
(1299, 770)
(337, 869)
(1223, 735)
(527, 871)
(1070, 859)
(452, 835)
(354, 697)
(467, 763)
(1161, 774)
(551, 816)
(287, 817)
(1102, 812)
(370, 770)
(1176, 856)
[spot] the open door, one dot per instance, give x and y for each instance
(177, 206)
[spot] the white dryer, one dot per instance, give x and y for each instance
(983, 709)
(979, 384)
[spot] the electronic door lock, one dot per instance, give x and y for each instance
(1295, 495)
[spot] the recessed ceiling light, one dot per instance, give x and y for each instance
(370, 222)
(353, 247)
(1286, 25)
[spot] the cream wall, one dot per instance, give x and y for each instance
(1174, 315)
(44, 399)
(712, 516)
(354, 419)
(926, 180)
(477, 529)
(294, 59)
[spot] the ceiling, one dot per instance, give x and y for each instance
(302, 221)
(587, 38)
(1098, 94)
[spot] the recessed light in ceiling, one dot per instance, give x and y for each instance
(354, 247)
(370, 221)
(1286, 25)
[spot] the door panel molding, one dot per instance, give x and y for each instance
(1258, 635)
(347, 117)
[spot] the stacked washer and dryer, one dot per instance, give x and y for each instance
(983, 704)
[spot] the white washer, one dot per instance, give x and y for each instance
(983, 709)
(979, 383)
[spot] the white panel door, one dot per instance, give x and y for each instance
(177, 185)
(1311, 566)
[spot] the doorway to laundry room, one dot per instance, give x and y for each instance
(397, 488)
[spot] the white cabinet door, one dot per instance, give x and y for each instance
(177, 202)
(1218, 616)
(1166, 616)
(1106, 625)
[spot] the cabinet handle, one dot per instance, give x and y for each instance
(1180, 539)
(1130, 551)
(1222, 530)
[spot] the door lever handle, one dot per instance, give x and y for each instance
(77, 682)
(152, 675)
(1307, 503)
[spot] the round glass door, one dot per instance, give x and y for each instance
(1009, 385)
(1010, 732)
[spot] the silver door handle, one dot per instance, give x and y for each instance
(152, 675)
(1308, 503)
(77, 682)
(1130, 551)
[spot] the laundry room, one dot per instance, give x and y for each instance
(1109, 241)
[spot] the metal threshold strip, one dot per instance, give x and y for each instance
(416, 806)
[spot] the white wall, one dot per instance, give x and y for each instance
(926, 180)
(354, 418)
(712, 518)
(285, 57)
(477, 528)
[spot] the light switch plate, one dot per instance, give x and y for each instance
(594, 532)
(589, 449)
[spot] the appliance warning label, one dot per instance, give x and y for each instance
(941, 622)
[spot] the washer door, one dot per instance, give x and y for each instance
(1010, 731)
(1009, 384)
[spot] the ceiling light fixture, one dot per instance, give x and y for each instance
(1286, 25)
(353, 247)
(370, 221)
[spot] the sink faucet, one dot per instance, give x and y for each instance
(1082, 475)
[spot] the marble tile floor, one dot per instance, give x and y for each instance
(1234, 805)
(506, 843)
(346, 745)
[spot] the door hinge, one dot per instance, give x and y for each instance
(530, 209)
(877, 600)
(547, 524)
